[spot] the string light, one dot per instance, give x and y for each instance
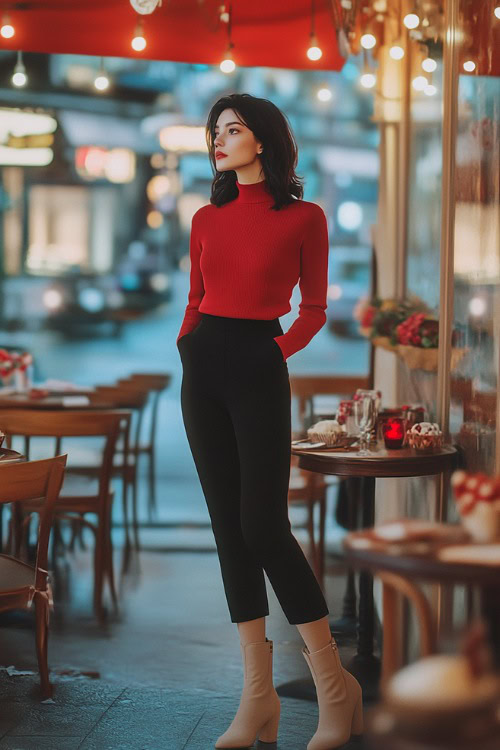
(19, 77)
(497, 11)
(411, 21)
(419, 83)
(429, 65)
(138, 42)
(469, 66)
(101, 81)
(368, 80)
(397, 52)
(7, 30)
(430, 89)
(324, 94)
(314, 52)
(368, 41)
(228, 64)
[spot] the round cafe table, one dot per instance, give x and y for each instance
(380, 463)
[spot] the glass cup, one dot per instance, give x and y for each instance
(364, 415)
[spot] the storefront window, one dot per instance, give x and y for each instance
(475, 377)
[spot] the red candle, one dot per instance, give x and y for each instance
(394, 432)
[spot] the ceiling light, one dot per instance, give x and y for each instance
(397, 52)
(368, 41)
(429, 65)
(368, 80)
(411, 21)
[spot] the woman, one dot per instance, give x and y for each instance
(248, 249)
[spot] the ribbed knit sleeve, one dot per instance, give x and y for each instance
(313, 284)
(192, 316)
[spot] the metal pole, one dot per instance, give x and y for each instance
(450, 116)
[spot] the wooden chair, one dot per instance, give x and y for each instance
(74, 499)
(307, 487)
(155, 384)
(125, 465)
(20, 583)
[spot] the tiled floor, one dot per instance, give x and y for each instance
(168, 666)
(169, 669)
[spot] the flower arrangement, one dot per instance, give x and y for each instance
(406, 328)
(12, 363)
(478, 501)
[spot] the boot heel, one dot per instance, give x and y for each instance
(269, 732)
(357, 718)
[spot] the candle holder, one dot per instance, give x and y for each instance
(393, 431)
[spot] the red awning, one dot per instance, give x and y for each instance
(272, 33)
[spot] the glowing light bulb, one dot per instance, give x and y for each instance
(411, 21)
(368, 80)
(497, 11)
(19, 79)
(101, 82)
(324, 95)
(368, 41)
(469, 66)
(397, 52)
(7, 31)
(227, 65)
(138, 43)
(314, 53)
(419, 83)
(429, 65)
(430, 89)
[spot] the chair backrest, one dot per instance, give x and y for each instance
(32, 480)
(304, 387)
(124, 397)
(69, 423)
(154, 384)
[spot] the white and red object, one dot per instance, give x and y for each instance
(478, 501)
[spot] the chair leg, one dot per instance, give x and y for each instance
(41, 638)
(109, 558)
(152, 507)
(99, 561)
(134, 511)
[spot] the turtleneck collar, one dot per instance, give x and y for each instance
(255, 192)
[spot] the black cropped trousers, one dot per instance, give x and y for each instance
(235, 400)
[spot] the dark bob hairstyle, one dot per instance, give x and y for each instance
(278, 159)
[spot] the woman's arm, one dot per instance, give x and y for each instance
(313, 284)
(192, 316)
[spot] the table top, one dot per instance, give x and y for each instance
(405, 462)
(66, 401)
(8, 456)
(425, 567)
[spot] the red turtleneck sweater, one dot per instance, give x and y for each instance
(246, 259)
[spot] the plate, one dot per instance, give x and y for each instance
(307, 445)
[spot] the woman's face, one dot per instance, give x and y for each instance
(235, 141)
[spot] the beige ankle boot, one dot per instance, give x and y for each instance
(258, 714)
(339, 699)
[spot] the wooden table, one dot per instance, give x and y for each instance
(22, 401)
(381, 463)
(429, 569)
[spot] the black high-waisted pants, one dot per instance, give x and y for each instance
(235, 399)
